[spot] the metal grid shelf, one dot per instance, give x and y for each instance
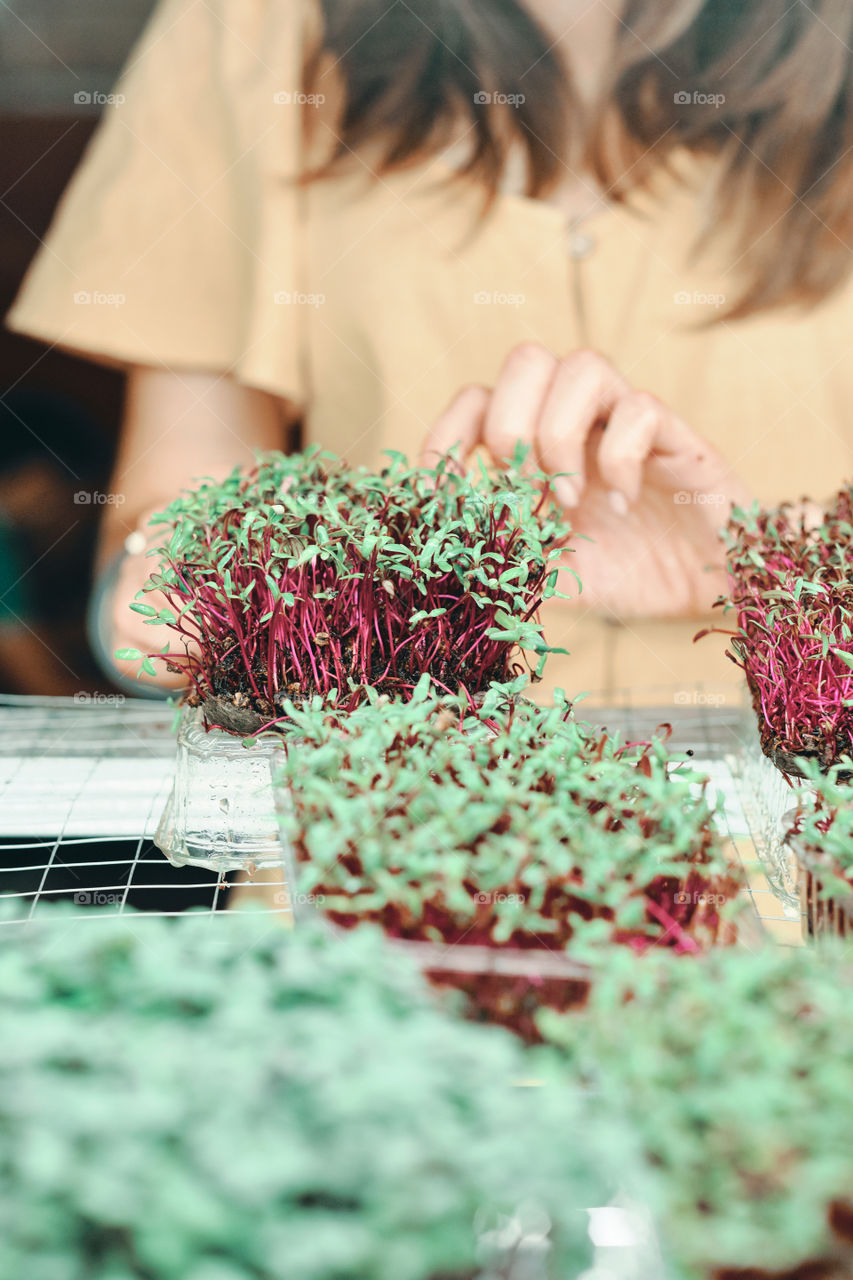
(83, 785)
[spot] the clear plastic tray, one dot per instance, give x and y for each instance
(768, 798)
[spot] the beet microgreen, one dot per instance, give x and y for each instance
(514, 827)
(308, 577)
(792, 590)
(736, 1075)
(181, 1101)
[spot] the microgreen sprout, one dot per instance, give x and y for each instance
(513, 827)
(183, 1102)
(822, 831)
(792, 592)
(307, 576)
(736, 1075)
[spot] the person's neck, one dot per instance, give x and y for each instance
(583, 33)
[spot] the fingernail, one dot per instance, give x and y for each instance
(618, 502)
(567, 491)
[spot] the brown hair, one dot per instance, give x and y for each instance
(783, 132)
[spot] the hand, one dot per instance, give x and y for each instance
(129, 629)
(649, 493)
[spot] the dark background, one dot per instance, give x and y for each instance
(59, 416)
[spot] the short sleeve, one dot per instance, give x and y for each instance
(181, 224)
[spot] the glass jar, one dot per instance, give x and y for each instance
(221, 813)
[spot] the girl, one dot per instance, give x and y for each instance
(412, 224)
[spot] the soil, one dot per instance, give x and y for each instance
(512, 1002)
(838, 1268)
(826, 751)
(824, 916)
(233, 705)
(511, 999)
(224, 713)
(807, 1271)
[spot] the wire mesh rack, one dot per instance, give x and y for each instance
(83, 784)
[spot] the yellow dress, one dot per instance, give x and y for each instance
(183, 242)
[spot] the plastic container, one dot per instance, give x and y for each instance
(823, 916)
(506, 986)
(221, 813)
(766, 798)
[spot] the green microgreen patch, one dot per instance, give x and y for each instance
(822, 830)
(202, 1100)
(513, 827)
(736, 1074)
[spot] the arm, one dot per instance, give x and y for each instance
(177, 427)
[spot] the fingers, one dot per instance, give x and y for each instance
(695, 472)
(553, 406)
(460, 427)
(584, 391)
(539, 401)
(646, 439)
(638, 425)
(516, 405)
(499, 420)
